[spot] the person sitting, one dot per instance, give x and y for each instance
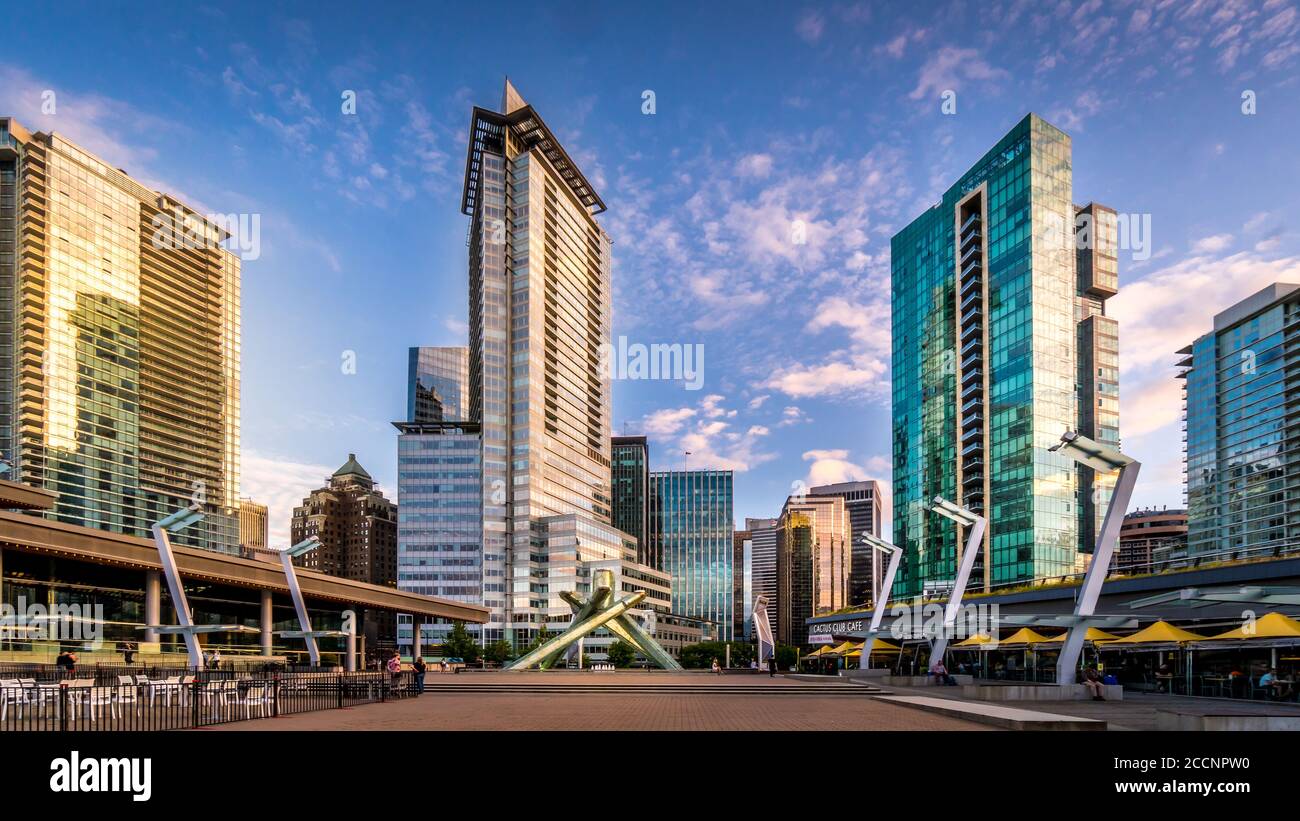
(940, 673)
(1093, 684)
(1276, 688)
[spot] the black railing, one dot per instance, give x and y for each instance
(183, 701)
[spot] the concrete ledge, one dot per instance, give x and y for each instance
(924, 681)
(1037, 692)
(1224, 722)
(1007, 718)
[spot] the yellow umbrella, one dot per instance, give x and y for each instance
(1023, 636)
(1094, 636)
(844, 648)
(1162, 632)
(1268, 626)
(818, 653)
(975, 641)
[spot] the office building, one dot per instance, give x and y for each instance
(862, 500)
(762, 564)
(993, 299)
(1149, 539)
(692, 529)
(796, 539)
(630, 475)
(1243, 461)
(540, 305)
(253, 525)
(437, 385)
(742, 583)
(814, 562)
(440, 520)
(119, 344)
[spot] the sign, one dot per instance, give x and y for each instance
(821, 638)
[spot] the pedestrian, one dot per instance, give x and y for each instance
(395, 668)
(717, 668)
(216, 658)
(419, 667)
(128, 651)
(771, 666)
(67, 663)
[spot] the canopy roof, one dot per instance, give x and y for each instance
(1025, 636)
(1094, 635)
(1268, 626)
(1162, 632)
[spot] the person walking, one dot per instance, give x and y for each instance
(771, 666)
(395, 669)
(419, 667)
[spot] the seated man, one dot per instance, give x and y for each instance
(1093, 684)
(940, 673)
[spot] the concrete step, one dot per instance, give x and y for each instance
(655, 689)
(996, 715)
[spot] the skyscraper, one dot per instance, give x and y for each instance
(539, 267)
(762, 561)
(631, 492)
(796, 539)
(692, 528)
(437, 385)
(814, 562)
(1240, 414)
(253, 526)
(862, 500)
(119, 344)
(992, 299)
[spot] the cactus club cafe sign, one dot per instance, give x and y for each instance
(826, 631)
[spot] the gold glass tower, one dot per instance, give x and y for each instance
(540, 303)
(119, 344)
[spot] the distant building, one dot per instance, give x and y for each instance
(742, 580)
(862, 499)
(253, 526)
(762, 567)
(692, 528)
(1242, 456)
(796, 545)
(630, 487)
(1149, 536)
(437, 385)
(357, 529)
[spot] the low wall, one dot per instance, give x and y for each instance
(923, 681)
(1170, 720)
(1037, 692)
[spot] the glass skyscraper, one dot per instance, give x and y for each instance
(540, 305)
(437, 384)
(630, 479)
(1242, 459)
(692, 526)
(862, 501)
(991, 300)
(119, 344)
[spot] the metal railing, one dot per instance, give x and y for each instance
(183, 701)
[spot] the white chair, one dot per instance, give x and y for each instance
(126, 679)
(166, 688)
(257, 695)
(127, 694)
(11, 692)
(79, 693)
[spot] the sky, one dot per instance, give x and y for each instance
(830, 116)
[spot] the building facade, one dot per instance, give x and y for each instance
(253, 526)
(630, 475)
(1243, 456)
(989, 309)
(693, 529)
(762, 565)
(440, 519)
(796, 540)
(862, 500)
(437, 384)
(540, 305)
(119, 385)
(1148, 537)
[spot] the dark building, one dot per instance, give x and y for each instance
(796, 539)
(862, 499)
(1148, 536)
(357, 529)
(630, 478)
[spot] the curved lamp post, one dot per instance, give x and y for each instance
(309, 635)
(977, 525)
(878, 613)
(1103, 459)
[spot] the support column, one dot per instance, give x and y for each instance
(267, 621)
(417, 644)
(152, 602)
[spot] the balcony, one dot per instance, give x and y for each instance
(968, 284)
(974, 447)
(977, 342)
(971, 316)
(973, 251)
(973, 299)
(977, 402)
(973, 219)
(973, 265)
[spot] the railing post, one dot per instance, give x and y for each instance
(275, 696)
(63, 708)
(340, 681)
(194, 703)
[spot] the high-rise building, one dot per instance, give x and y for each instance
(742, 581)
(1150, 536)
(993, 297)
(253, 525)
(119, 344)
(440, 520)
(796, 544)
(814, 576)
(762, 564)
(437, 385)
(692, 528)
(540, 304)
(357, 529)
(862, 500)
(1239, 410)
(630, 477)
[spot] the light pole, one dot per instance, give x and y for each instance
(295, 592)
(162, 529)
(1102, 459)
(895, 555)
(977, 524)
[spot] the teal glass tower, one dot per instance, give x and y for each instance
(693, 529)
(993, 297)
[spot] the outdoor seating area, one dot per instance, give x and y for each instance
(181, 701)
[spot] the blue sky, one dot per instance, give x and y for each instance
(764, 114)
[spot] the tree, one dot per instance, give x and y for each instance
(543, 636)
(700, 655)
(621, 654)
(786, 656)
(460, 644)
(499, 651)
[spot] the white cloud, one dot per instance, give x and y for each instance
(281, 485)
(1212, 245)
(950, 67)
(754, 165)
(810, 27)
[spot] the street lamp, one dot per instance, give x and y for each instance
(1103, 459)
(977, 525)
(287, 555)
(878, 613)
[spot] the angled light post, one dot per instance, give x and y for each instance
(763, 627)
(878, 613)
(1103, 459)
(976, 524)
(287, 555)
